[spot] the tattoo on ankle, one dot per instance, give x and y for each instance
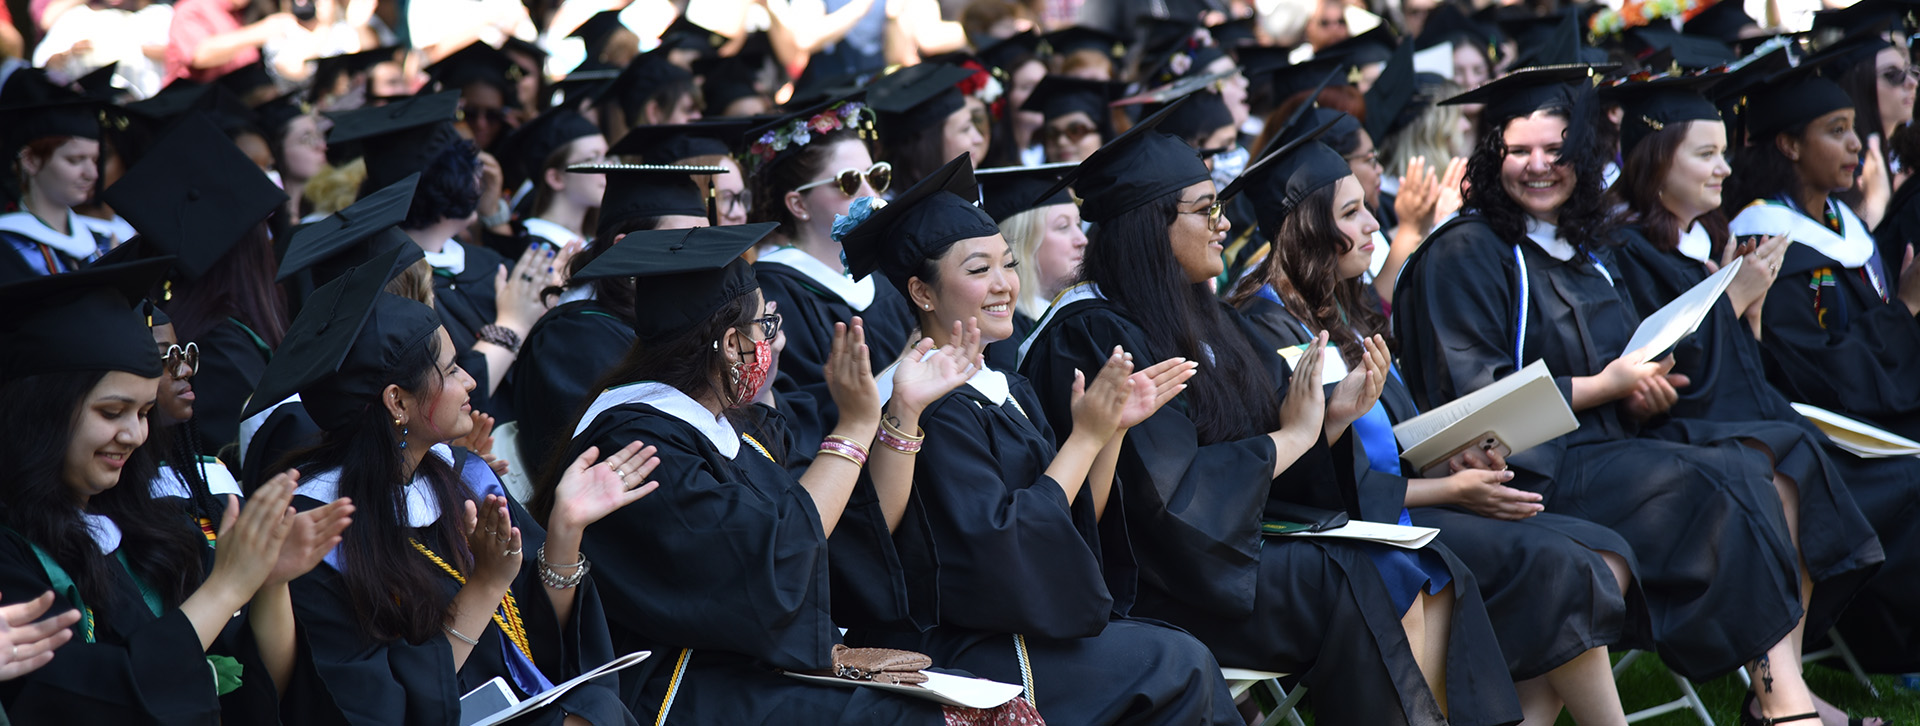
(1766, 672)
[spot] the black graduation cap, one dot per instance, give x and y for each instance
(327, 70)
(919, 224)
(176, 101)
(1316, 73)
(194, 195)
(648, 73)
(1858, 47)
(1723, 20)
(354, 235)
(590, 80)
(1373, 46)
(1864, 15)
(1259, 61)
(636, 191)
(1525, 91)
(479, 63)
(97, 84)
(1010, 190)
(344, 347)
(1005, 55)
(68, 115)
(1794, 96)
(1392, 94)
(597, 31)
(1183, 60)
(1691, 52)
(1158, 34)
(1525, 27)
(684, 34)
(674, 143)
(688, 274)
(1135, 168)
(1204, 112)
(1566, 44)
(1080, 37)
(242, 81)
(916, 97)
(1279, 181)
(725, 80)
(84, 320)
(1446, 23)
(399, 138)
(1649, 105)
(528, 147)
(273, 116)
(1743, 78)
(1233, 33)
(1057, 96)
(516, 45)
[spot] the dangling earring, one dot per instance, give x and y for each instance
(403, 433)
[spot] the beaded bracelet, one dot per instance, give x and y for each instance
(857, 446)
(897, 443)
(844, 450)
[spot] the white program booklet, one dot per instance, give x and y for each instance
(1405, 537)
(940, 688)
(1676, 320)
(1860, 438)
(487, 699)
(1521, 411)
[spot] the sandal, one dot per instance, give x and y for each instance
(1748, 706)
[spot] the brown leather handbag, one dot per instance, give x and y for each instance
(879, 665)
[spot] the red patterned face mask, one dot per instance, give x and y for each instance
(750, 378)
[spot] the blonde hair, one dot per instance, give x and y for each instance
(336, 187)
(1434, 135)
(1024, 232)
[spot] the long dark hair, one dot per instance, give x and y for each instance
(394, 590)
(1303, 269)
(40, 414)
(1583, 220)
(915, 153)
(240, 286)
(175, 445)
(1131, 259)
(1761, 172)
(770, 183)
(1862, 84)
(688, 363)
(1637, 193)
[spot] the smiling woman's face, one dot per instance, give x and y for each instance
(111, 423)
(1530, 173)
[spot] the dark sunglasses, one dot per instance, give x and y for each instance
(1072, 133)
(878, 176)
(1899, 75)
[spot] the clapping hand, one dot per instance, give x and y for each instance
(1356, 394)
(1154, 387)
(480, 441)
(1098, 408)
(314, 533)
(251, 538)
(590, 491)
(849, 374)
(494, 542)
(30, 644)
(1306, 404)
(924, 374)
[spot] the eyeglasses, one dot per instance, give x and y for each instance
(1899, 75)
(177, 356)
(737, 202)
(1213, 212)
(1072, 133)
(769, 325)
(1371, 158)
(878, 176)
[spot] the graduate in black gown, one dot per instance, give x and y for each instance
(1198, 475)
(156, 639)
(198, 483)
(487, 302)
(1014, 525)
(723, 573)
(46, 236)
(318, 254)
(1673, 227)
(581, 339)
(197, 196)
(1838, 327)
(1047, 240)
(1521, 276)
(806, 168)
(1556, 587)
(430, 595)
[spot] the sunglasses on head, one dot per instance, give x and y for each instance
(878, 176)
(1072, 132)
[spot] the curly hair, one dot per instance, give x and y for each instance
(1583, 220)
(449, 187)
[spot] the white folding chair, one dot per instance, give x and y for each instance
(1240, 681)
(1839, 650)
(1688, 699)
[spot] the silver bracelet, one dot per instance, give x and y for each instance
(502, 214)
(562, 582)
(456, 634)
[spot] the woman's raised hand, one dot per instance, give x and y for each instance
(1419, 192)
(517, 299)
(1750, 286)
(849, 375)
(1305, 407)
(494, 542)
(1154, 387)
(29, 643)
(1099, 408)
(925, 374)
(315, 533)
(1356, 394)
(1452, 185)
(590, 491)
(251, 537)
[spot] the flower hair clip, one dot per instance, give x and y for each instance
(857, 214)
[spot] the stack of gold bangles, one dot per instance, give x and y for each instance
(899, 440)
(844, 448)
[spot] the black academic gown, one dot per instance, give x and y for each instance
(809, 312)
(722, 573)
(343, 677)
(140, 669)
(1316, 607)
(1841, 346)
(565, 355)
(1717, 566)
(287, 429)
(1728, 382)
(1004, 355)
(1012, 556)
(465, 303)
(1549, 594)
(232, 359)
